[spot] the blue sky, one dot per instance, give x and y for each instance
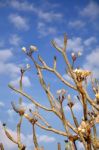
(27, 22)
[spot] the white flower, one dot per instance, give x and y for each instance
(24, 49)
(33, 48)
(79, 54)
(83, 130)
(72, 54)
(97, 95)
(81, 74)
(27, 66)
(69, 97)
(61, 91)
(77, 71)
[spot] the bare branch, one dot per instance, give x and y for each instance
(53, 70)
(8, 134)
(30, 98)
(44, 127)
(41, 118)
(52, 129)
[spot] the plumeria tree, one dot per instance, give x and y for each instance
(84, 131)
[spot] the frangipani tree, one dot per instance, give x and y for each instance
(74, 132)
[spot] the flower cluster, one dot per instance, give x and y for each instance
(23, 69)
(97, 95)
(84, 128)
(19, 108)
(31, 50)
(61, 91)
(81, 74)
(61, 95)
(75, 55)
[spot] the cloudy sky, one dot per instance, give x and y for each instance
(26, 22)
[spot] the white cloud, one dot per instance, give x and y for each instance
(9, 69)
(91, 10)
(11, 114)
(49, 16)
(26, 82)
(41, 139)
(90, 41)
(46, 139)
(77, 24)
(76, 108)
(44, 30)
(68, 78)
(92, 62)
(3, 138)
(59, 41)
(19, 22)
(28, 106)
(14, 40)
(6, 67)
(22, 6)
(76, 44)
(94, 54)
(26, 139)
(2, 104)
(80, 145)
(29, 143)
(5, 54)
(1, 43)
(44, 15)
(66, 108)
(10, 145)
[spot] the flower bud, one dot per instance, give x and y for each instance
(79, 54)
(69, 97)
(33, 48)
(73, 56)
(70, 104)
(27, 66)
(97, 95)
(4, 124)
(61, 91)
(24, 49)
